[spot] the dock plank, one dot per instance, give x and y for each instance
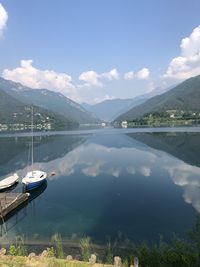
(11, 201)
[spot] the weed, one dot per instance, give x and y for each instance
(85, 248)
(56, 238)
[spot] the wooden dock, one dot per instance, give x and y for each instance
(11, 201)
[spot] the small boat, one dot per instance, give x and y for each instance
(33, 178)
(9, 181)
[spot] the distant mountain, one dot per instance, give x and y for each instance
(50, 100)
(185, 96)
(108, 110)
(86, 106)
(13, 111)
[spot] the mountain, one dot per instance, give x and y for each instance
(15, 112)
(50, 100)
(185, 96)
(108, 110)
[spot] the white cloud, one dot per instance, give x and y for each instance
(92, 78)
(188, 63)
(129, 76)
(3, 19)
(36, 78)
(143, 74)
(111, 75)
(102, 98)
(32, 77)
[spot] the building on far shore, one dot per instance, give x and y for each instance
(124, 124)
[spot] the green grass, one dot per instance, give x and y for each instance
(19, 261)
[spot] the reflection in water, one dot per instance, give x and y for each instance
(188, 177)
(37, 191)
(15, 152)
(186, 147)
(9, 189)
(117, 185)
(20, 213)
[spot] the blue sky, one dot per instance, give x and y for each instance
(85, 48)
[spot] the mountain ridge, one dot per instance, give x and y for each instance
(16, 114)
(56, 102)
(185, 96)
(110, 109)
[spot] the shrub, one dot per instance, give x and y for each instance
(85, 248)
(59, 246)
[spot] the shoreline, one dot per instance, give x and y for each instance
(110, 130)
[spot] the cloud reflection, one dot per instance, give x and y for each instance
(95, 159)
(188, 177)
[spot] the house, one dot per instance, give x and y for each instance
(124, 124)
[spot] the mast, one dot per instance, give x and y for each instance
(32, 137)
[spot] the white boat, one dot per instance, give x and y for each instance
(34, 178)
(9, 181)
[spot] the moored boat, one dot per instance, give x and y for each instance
(9, 181)
(33, 178)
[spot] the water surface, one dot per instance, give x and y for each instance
(124, 185)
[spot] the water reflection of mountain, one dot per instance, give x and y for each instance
(184, 146)
(10, 148)
(15, 152)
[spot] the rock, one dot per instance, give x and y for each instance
(77, 257)
(117, 261)
(93, 259)
(69, 258)
(44, 253)
(32, 255)
(136, 262)
(2, 251)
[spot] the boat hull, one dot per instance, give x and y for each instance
(34, 185)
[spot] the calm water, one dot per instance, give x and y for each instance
(131, 185)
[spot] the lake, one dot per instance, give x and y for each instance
(110, 184)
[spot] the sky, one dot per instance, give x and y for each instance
(92, 50)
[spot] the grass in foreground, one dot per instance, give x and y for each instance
(19, 261)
